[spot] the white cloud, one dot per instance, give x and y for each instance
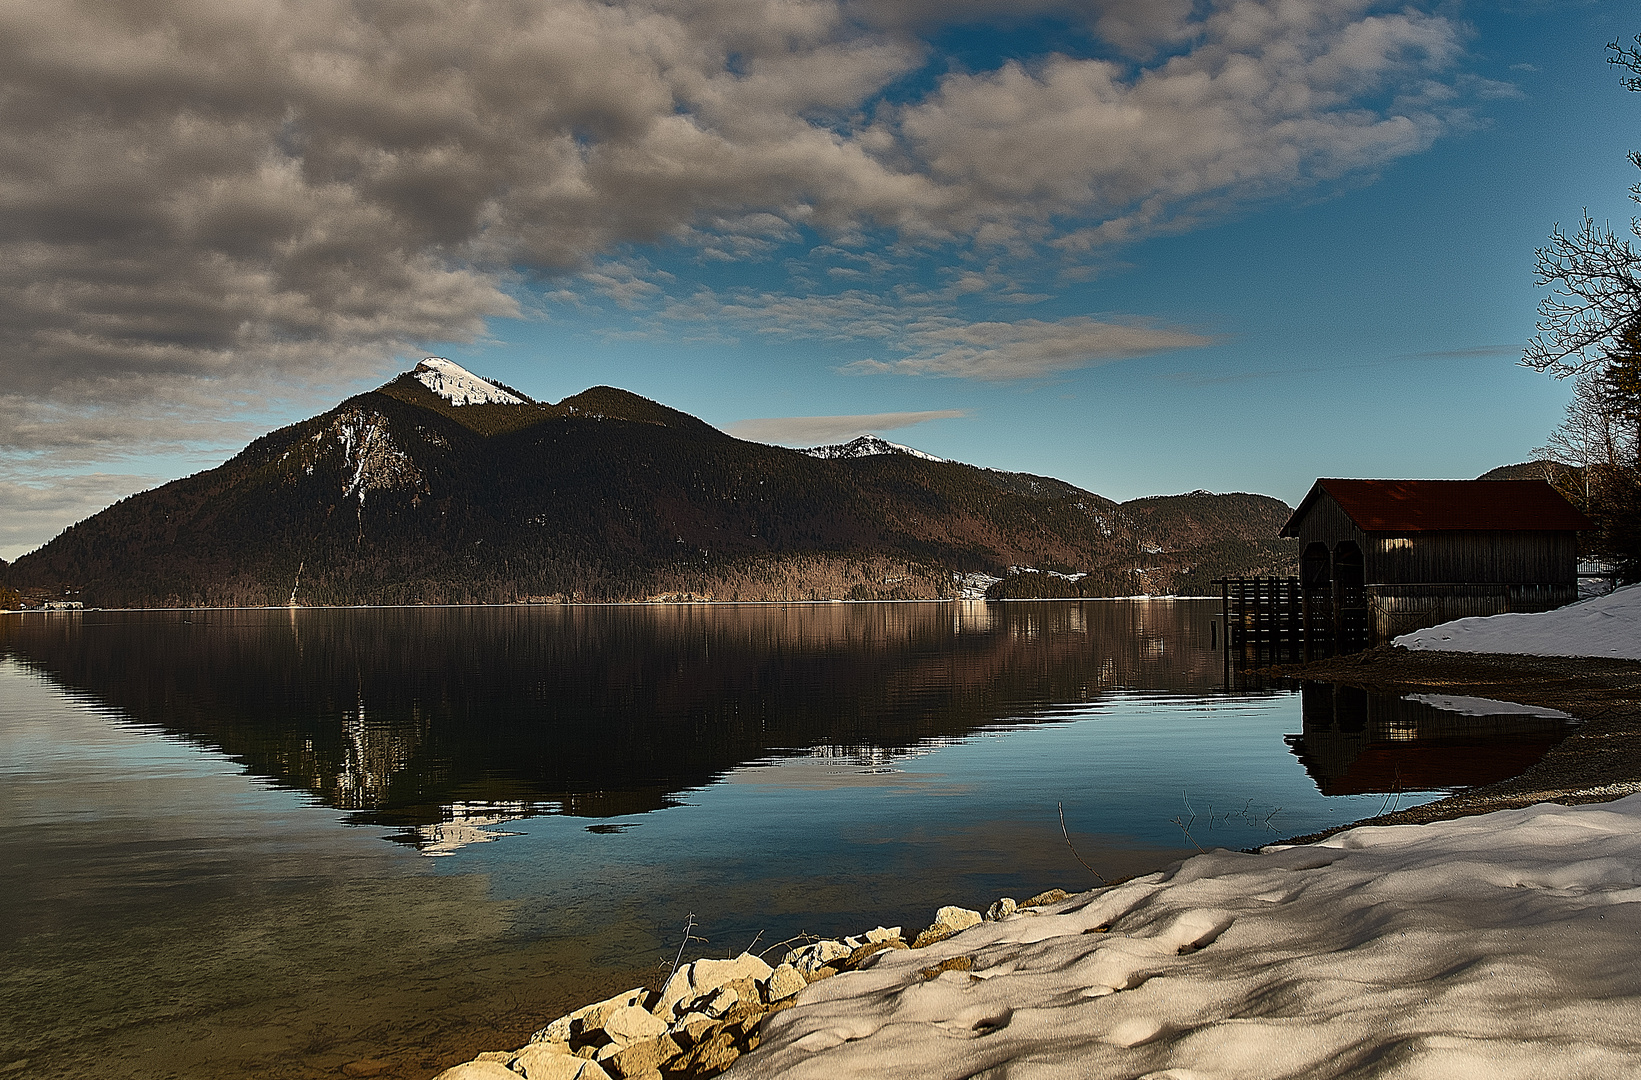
(1031, 348)
(1270, 97)
(931, 330)
(817, 430)
(208, 202)
(35, 512)
(197, 190)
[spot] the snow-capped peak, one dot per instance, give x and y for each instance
(867, 446)
(459, 386)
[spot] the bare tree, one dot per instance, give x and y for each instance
(1589, 329)
(1594, 274)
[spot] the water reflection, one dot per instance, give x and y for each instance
(473, 823)
(1355, 742)
(190, 896)
(401, 716)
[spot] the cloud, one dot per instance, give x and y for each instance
(930, 328)
(1270, 99)
(204, 204)
(1031, 348)
(38, 511)
(819, 430)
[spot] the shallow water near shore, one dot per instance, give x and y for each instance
(278, 843)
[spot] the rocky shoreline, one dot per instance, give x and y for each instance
(708, 1012)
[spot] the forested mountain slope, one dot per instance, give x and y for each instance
(402, 495)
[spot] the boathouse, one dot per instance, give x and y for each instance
(1378, 558)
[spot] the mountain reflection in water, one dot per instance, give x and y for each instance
(407, 716)
(191, 804)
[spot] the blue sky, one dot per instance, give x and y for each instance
(1143, 247)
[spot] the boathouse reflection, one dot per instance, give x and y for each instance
(1357, 743)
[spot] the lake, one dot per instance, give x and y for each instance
(285, 843)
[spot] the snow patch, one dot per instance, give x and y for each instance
(371, 460)
(1478, 706)
(459, 386)
(1606, 626)
(973, 586)
(1493, 946)
(1077, 576)
(866, 446)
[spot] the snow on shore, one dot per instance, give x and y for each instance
(1500, 946)
(1607, 626)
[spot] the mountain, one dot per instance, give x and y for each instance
(1180, 544)
(866, 446)
(1553, 472)
(459, 386)
(444, 487)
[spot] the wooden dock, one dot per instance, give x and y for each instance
(1263, 619)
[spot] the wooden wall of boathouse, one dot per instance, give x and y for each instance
(1514, 556)
(1408, 580)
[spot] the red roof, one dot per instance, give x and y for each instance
(1428, 505)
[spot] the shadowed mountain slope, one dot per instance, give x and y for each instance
(399, 495)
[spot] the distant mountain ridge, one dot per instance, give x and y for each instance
(1554, 473)
(443, 487)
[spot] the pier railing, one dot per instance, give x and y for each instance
(1263, 619)
(1271, 619)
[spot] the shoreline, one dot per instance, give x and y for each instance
(619, 603)
(1599, 762)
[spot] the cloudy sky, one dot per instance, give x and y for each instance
(1145, 246)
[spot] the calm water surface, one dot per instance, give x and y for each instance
(278, 843)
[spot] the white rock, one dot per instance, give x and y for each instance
(630, 1023)
(699, 1019)
(812, 958)
(593, 1016)
(1002, 909)
(785, 981)
(556, 1032)
(696, 980)
(478, 1070)
(891, 933)
(723, 1001)
(539, 1062)
(956, 918)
